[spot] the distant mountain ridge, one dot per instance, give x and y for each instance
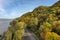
(5, 19)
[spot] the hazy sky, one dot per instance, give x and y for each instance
(15, 8)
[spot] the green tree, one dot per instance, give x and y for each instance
(18, 35)
(32, 24)
(8, 35)
(19, 31)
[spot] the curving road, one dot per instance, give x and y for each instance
(28, 36)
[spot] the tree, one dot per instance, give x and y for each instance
(52, 36)
(20, 25)
(19, 31)
(18, 35)
(48, 26)
(8, 35)
(32, 24)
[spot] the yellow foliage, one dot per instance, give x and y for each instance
(18, 35)
(20, 25)
(8, 35)
(58, 22)
(52, 36)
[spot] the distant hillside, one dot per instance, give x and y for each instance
(4, 19)
(43, 23)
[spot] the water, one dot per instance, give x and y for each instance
(4, 25)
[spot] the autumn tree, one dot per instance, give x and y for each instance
(19, 31)
(8, 35)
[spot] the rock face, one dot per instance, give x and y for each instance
(43, 23)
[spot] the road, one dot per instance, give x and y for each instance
(28, 36)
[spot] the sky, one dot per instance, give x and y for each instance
(11, 9)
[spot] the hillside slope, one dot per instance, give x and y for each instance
(43, 22)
